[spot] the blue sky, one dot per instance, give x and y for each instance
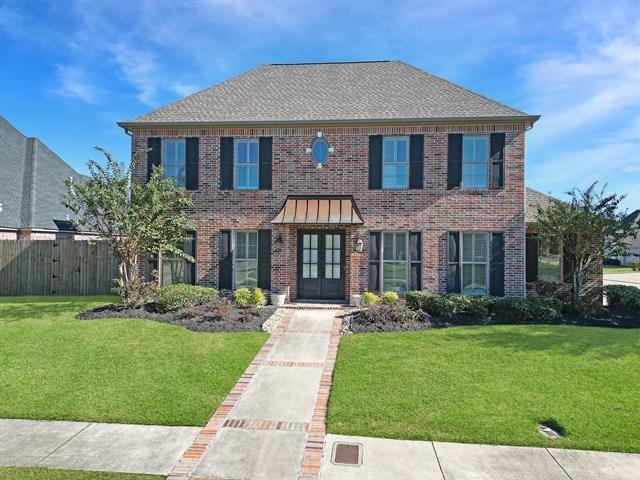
(70, 69)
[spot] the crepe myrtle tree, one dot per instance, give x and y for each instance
(587, 225)
(132, 217)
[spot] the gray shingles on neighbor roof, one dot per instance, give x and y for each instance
(533, 199)
(331, 92)
(32, 182)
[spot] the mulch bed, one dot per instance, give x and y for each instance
(359, 322)
(216, 317)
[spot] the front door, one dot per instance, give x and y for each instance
(321, 264)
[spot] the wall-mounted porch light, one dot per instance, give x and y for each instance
(277, 245)
(359, 245)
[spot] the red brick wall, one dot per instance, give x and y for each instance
(433, 210)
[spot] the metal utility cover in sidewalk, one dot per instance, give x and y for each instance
(347, 454)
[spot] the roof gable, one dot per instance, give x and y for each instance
(331, 92)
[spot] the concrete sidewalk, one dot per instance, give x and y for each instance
(384, 459)
(272, 424)
(93, 446)
(631, 278)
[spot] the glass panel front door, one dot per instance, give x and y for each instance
(321, 264)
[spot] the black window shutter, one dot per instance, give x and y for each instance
(454, 170)
(264, 259)
(415, 270)
(190, 249)
(453, 277)
(154, 155)
(497, 160)
(375, 241)
(416, 161)
(532, 258)
(226, 163)
(266, 149)
(193, 159)
(375, 162)
(225, 266)
(496, 265)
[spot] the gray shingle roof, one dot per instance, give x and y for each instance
(330, 92)
(533, 199)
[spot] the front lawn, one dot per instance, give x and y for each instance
(615, 269)
(491, 384)
(55, 367)
(20, 473)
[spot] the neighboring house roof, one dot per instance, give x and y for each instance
(350, 92)
(31, 182)
(533, 199)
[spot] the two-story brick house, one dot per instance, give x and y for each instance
(329, 179)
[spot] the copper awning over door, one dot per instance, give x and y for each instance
(319, 210)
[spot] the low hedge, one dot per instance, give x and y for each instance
(450, 304)
(622, 297)
(175, 297)
(528, 310)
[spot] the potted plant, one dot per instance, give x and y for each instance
(277, 297)
(356, 300)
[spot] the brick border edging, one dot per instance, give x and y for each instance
(317, 433)
(193, 455)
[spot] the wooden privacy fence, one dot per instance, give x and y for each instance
(56, 267)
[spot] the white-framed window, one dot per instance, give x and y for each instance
(395, 264)
(246, 163)
(475, 161)
(395, 162)
(175, 269)
(475, 263)
(174, 160)
(245, 259)
(549, 260)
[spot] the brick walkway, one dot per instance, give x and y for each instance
(272, 423)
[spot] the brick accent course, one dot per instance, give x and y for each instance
(433, 210)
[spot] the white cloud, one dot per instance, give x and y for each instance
(74, 83)
(140, 69)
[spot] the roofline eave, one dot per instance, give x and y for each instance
(530, 119)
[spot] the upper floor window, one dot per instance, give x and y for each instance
(475, 161)
(395, 162)
(174, 159)
(475, 263)
(246, 164)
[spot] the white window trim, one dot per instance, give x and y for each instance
(487, 162)
(163, 149)
(235, 162)
(408, 162)
(407, 261)
(235, 256)
(487, 262)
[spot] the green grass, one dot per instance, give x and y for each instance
(19, 473)
(613, 269)
(491, 385)
(55, 367)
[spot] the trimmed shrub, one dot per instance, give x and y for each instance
(369, 299)
(381, 313)
(481, 306)
(389, 298)
(622, 297)
(635, 266)
(434, 304)
(258, 298)
(175, 297)
(417, 298)
(243, 297)
(137, 293)
(529, 310)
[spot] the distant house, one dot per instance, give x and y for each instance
(31, 189)
(633, 253)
